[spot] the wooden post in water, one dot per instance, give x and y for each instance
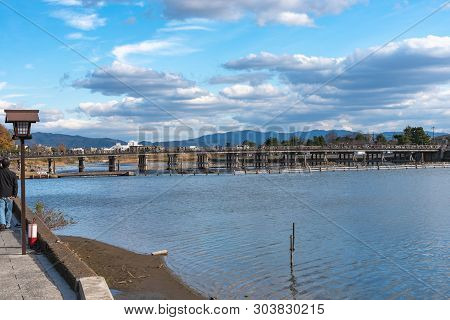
(292, 245)
(291, 251)
(293, 235)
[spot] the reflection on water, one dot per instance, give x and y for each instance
(359, 235)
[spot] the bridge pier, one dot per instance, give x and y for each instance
(346, 158)
(202, 161)
(243, 159)
(289, 159)
(232, 161)
(172, 161)
(394, 160)
(375, 157)
(319, 158)
(292, 159)
(81, 164)
(112, 163)
(283, 160)
(349, 158)
(341, 158)
(142, 163)
(403, 157)
(260, 160)
(51, 166)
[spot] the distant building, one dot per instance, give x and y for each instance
(77, 150)
(131, 145)
(442, 140)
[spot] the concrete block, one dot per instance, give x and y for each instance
(94, 288)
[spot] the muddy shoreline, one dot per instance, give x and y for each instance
(129, 275)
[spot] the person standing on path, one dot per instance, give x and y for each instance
(8, 191)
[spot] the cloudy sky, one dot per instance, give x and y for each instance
(173, 69)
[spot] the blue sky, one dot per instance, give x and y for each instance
(173, 69)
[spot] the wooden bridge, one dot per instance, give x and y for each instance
(260, 158)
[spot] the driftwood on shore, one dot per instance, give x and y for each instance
(160, 253)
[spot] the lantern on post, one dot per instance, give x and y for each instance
(22, 120)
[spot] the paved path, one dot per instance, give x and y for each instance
(25, 277)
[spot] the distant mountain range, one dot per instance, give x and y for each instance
(238, 137)
(54, 140)
(216, 139)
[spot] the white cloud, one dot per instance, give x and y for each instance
(288, 18)
(2, 84)
(109, 107)
(79, 36)
(13, 95)
(195, 24)
(82, 21)
(185, 28)
(121, 78)
(94, 3)
(6, 104)
(149, 93)
(28, 66)
(384, 80)
(289, 12)
(144, 47)
(72, 124)
(75, 36)
(65, 2)
(267, 60)
(47, 115)
(405, 83)
(244, 91)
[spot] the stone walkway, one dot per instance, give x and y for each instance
(25, 277)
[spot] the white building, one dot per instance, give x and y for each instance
(77, 150)
(121, 147)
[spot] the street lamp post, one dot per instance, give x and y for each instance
(22, 120)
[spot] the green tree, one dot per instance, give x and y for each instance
(346, 139)
(316, 141)
(413, 135)
(402, 139)
(319, 141)
(419, 136)
(381, 139)
(359, 137)
(271, 142)
(293, 141)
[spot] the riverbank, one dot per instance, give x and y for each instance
(130, 275)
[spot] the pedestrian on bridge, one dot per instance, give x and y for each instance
(8, 191)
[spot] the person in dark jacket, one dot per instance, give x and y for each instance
(8, 191)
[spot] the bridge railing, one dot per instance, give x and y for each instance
(153, 150)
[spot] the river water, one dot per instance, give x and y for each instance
(359, 235)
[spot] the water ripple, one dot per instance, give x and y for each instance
(228, 236)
